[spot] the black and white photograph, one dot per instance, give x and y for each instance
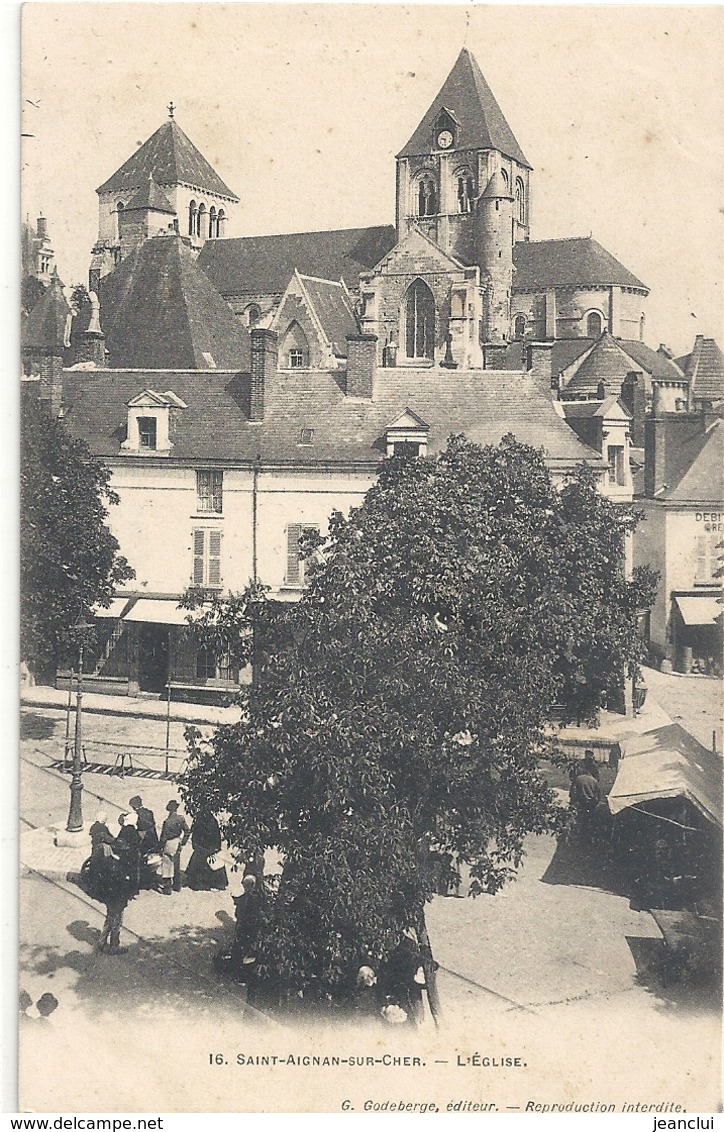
(371, 545)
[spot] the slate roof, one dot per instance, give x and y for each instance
(264, 265)
(481, 404)
(159, 310)
(150, 196)
(695, 468)
(332, 307)
(172, 158)
(575, 262)
(611, 359)
(704, 367)
(584, 409)
(481, 122)
(46, 324)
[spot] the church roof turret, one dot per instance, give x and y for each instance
(496, 188)
(149, 196)
(482, 125)
(172, 158)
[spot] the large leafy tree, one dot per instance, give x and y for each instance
(403, 706)
(69, 560)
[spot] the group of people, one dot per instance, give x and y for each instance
(140, 856)
(395, 993)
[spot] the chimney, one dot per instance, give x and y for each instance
(633, 396)
(361, 365)
(264, 357)
(494, 354)
(49, 368)
(550, 313)
(42, 228)
(91, 343)
(539, 362)
(655, 448)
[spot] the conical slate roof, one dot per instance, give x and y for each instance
(607, 362)
(171, 158)
(481, 122)
(704, 367)
(46, 326)
(150, 196)
(159, 311)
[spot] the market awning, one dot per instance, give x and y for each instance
(156, 611)
(114, 610)
(699, 609)
(668, 763)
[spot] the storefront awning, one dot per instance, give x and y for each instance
(699, 609)
(156, 611)
(114, 610)
(668, 763)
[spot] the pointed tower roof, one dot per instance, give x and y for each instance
(45, 329)
(496, 188)
(482, 125)
(149, 196)
(160, 311)
(171, 158)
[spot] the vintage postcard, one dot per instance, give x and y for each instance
(370, 749)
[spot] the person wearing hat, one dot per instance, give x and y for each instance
(128, 847)
(148, 834)
(99, 831)
(175, 833)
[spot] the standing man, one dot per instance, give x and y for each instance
(175, 833)
(148, 834)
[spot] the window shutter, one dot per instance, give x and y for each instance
(294, 531)
(199, 542)
(214, 578)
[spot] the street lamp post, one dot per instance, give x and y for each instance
(75, 814)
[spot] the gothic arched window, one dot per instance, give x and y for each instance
(192, 218)
(426, 196)
(594, 325)
(420, 321)
(465, 190)
(520, 201)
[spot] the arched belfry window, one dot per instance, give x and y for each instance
(213, 230)
(201, 229)
(520, 201)
(192, 218)
(119, 210)
(420, 321)
(220, 222)
(426, 196)
(594, 325)
(465, 190)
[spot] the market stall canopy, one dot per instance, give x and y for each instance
(668, 763)
(699, 609)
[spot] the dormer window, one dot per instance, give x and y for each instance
(147, 432)
(407, 436)
(149, 422)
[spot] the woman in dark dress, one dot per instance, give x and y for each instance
(205, 842)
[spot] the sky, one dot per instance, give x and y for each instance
(301, 109)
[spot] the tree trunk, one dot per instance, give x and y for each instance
(429, 967)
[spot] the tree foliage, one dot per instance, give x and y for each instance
(69, 560)
(403, 708)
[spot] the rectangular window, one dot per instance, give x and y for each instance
(207, 558)
(407, 448)
(296, 359)
(209, 491)
(708, 558)
(295, 564)
(147, 432)
(616, 471)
